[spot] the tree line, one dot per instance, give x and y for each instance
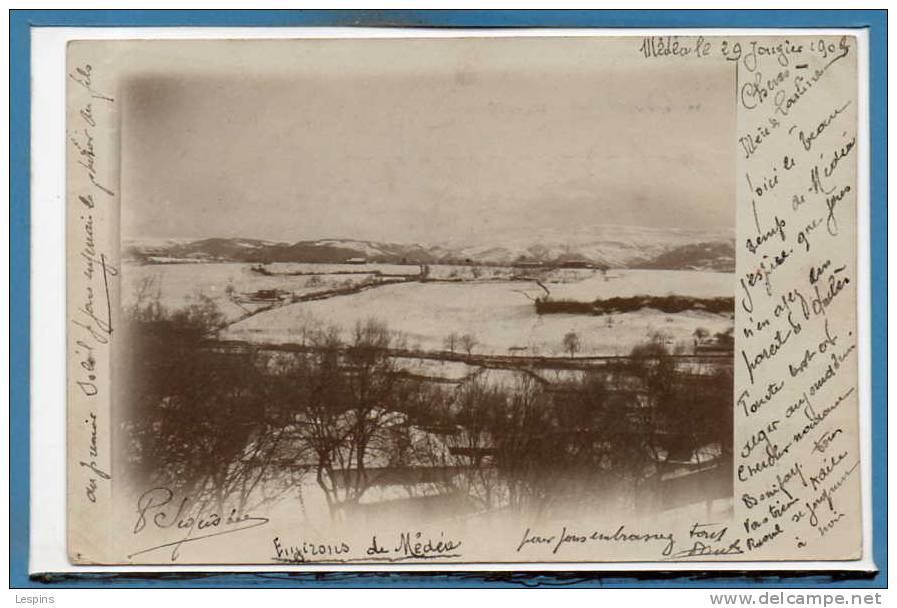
(239, 429)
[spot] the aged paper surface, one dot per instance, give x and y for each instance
(424, 301)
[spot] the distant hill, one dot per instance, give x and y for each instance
(705, 256)
(600, 246)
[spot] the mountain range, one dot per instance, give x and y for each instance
(602, 246)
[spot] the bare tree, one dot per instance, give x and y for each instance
(198, 420)
(371, 379)
(526, 449)
(468, 342)
(472, 448)
(700, 334)
(572, 343)
(451, 342)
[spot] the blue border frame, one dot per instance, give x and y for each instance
(19, 215)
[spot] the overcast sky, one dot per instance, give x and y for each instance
(423, 141)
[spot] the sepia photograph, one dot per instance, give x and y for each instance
(441, 280)
(436, 300)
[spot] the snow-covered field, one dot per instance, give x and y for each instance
(588, 285)
(336, 269)
(501, 318)
(179, 284)
(496, 311)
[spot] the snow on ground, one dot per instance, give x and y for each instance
(435, 368)
(285, 267)
(588, 285)
(501, 318)
(179, 284)
(498, 312)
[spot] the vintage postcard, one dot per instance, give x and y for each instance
(463, 300)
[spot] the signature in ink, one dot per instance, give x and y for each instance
(156, 510)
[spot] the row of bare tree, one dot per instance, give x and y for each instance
(238, 428)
